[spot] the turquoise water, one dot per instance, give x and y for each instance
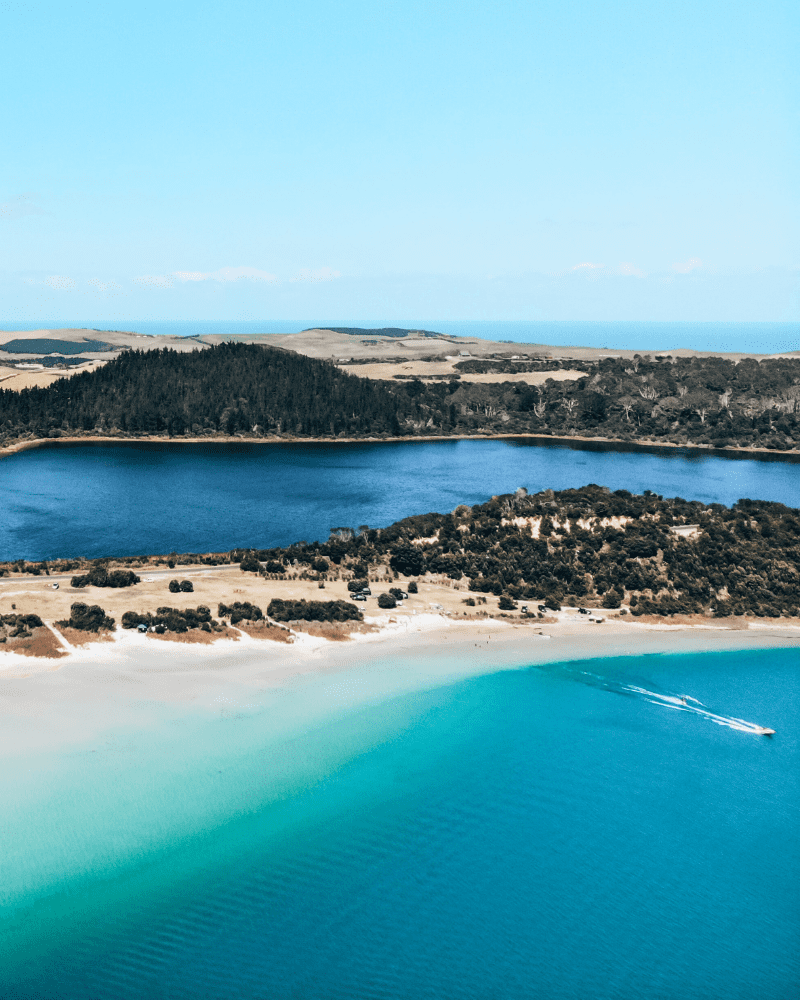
(98, 500)
(760, 338)
(565, 831)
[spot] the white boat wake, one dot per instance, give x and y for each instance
(676, 702)
(681, 703)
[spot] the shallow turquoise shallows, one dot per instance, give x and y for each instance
(566, 831)
(99, 500)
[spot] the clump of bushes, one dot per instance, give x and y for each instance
(274, 567)
(354, 586)
(87, 618)
(412, 587)
(240, 611)
(612, 598)
(184, 586)
(172, 619)
(506, 603)
(27, 621)
(250, 564)
(387, 601)
(313, 611)
(19, 625)
(99, 576)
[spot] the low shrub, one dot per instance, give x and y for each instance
(19, 625)
(26, 621)
(313, 611)
(355, 585)
(240, 611)
(172, 619)
(99, 576)
(412, 587)
(87, 618)
(387, 601)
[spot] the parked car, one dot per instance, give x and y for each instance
(359, 597)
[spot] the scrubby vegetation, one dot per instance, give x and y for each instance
(313, 611)
(87, 618)
(253, 391)
(240, 611)
(173, 619)
(594, 547)
(588, 546)
(181, 587)
(99, 576)
(18, 626)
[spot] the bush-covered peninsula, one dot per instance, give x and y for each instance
(588, 546)
(260, 392)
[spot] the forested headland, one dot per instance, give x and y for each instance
(591, 546)
(261, 392)
(587, 546)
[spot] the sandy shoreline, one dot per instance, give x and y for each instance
(475, 646)
(644, 445)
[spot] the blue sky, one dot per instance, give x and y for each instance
(382, 161)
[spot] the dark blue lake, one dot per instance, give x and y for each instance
(134, 498)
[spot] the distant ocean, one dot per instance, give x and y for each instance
(761, 338)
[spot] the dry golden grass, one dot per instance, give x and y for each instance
(443, 369)
(11, 378)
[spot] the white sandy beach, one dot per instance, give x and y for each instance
(431, 649)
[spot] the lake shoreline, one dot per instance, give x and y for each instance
(610, 444)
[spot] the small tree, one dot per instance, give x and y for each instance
(250, 564)
(386, 601)
(506, 604)
(187, 587)
(412, 587)
(355, 585)
(174, 587)
(88, 618)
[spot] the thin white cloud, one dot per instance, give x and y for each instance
(60, 283)
(104, 286)
(630, 270)
(692, 264)
(16, 208)
(226, 274)
(317, 274)
(154, 281)
(587, 266)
